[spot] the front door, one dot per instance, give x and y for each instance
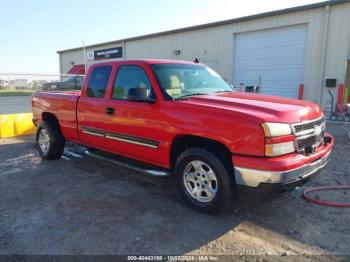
(134, 128)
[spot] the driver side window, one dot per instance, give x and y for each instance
(130, 76)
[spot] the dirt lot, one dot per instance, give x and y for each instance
(82, 205)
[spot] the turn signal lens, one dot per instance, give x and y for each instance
(279, 149)
(276, 129)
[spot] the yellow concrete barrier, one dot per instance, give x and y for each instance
(16, 125)
(7, 127)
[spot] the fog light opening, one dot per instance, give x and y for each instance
(327, 139)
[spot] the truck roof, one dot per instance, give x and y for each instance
(149, 61)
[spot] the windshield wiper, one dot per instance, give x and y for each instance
(189, 95)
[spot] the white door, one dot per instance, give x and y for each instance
(272, 59)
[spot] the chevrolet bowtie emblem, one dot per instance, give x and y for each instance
(318, 130)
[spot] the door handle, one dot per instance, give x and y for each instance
(109, 110)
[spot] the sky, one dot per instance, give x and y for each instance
(31, 31)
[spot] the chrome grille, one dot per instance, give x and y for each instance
(298, 128)
(312, 141)
(309, 134)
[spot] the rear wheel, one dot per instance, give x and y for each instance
(49, 140)
(203, 180)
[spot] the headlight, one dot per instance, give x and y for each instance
(276, 129)
(279, 149)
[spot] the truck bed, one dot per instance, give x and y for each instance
(63, 105)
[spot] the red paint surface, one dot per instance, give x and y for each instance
(279, 139)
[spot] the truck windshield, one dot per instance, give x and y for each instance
(186, 80)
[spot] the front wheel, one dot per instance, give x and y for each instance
(49, 140)
(203, 180)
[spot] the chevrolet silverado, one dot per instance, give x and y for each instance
(182, 118)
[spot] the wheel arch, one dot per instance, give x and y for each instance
(49, 117)
(52, 120)
(55, 138)
(182, 142)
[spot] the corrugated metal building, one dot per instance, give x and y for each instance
(276, 50)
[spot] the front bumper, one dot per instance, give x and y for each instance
(291, 170)
(253, 177)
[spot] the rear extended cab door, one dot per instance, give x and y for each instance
(91, 109)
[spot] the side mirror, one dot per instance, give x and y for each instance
(139, 94)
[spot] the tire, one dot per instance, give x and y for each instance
(194, 165)
(49, 140)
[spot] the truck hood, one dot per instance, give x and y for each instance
(261, 108)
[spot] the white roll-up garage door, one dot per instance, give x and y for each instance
(272, 59)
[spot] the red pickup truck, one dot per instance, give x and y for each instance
(182, 118)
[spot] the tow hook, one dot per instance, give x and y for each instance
(327, 139)
(309, 150)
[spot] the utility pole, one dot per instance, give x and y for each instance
(84, 57)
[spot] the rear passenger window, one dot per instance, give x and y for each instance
(98, 81)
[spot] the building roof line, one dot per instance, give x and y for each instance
(218, 23)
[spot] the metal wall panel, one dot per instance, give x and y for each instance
(214, 45)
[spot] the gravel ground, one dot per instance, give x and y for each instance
(82, 205)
